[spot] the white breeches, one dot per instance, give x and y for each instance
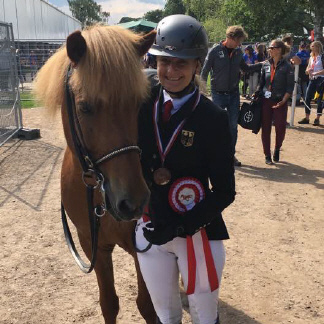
(160, 267)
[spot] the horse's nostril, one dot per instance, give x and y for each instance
(127, 208)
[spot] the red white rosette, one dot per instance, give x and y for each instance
(185, 193)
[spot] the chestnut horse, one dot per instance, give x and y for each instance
(107, 86)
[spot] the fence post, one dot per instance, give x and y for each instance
(294, 96)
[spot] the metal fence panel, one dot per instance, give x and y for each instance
(37, 20)
(10, 110)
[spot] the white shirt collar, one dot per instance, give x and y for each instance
(177, 102)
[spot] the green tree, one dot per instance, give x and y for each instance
(203, 9)
(88, 12)
(173, 7)
(127, 19)
(154, 15)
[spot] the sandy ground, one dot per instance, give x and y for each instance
(274, 272)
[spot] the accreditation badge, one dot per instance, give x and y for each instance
(185, 193)
(267, 94)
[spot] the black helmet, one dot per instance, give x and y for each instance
(180, 36)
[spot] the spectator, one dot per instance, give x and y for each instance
(225, 61)
(315, 70)
(304, 55)
(291, 56)
(276, 86)
(33, 64)
(186, 142)
(251, 58)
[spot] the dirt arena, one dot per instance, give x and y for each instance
(274, 272)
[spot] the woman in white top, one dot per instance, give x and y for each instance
(315, 69)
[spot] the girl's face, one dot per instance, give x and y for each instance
(175, 73)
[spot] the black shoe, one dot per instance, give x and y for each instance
(268, 160)
(316, 122)
(217, 321)
(237, 162)
(276, 155)
(304, 121)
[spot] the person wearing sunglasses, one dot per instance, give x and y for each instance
(315, 70)
(275, 87)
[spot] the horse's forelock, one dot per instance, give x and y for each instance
(110, 70)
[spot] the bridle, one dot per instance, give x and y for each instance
(92, 177)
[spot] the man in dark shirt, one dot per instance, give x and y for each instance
(224, 62)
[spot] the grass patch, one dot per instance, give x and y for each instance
(27, 100)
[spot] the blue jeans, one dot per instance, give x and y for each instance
(310, 92)
(231, 103)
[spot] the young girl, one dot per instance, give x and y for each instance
(315, 70)
(186, 143)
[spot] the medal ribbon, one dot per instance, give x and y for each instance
(201, 245)
(163, 153)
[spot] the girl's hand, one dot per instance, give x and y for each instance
(279, 104)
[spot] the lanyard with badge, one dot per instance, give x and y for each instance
(267, 94)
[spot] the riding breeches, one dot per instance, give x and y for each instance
(161, 266)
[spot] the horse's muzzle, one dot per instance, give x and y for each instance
(125, 207)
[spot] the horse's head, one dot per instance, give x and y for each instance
(108, 86)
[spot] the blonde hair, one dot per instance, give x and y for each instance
(319, 47)
(109, 71)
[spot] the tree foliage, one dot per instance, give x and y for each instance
(88, 12)
(154, 15)
(173, 7)
(127, 19)
(263, 20)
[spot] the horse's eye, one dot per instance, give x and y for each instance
(84, 107)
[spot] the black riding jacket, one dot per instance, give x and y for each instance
(208, 157)
(225, 68)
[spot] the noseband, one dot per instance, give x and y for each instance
(92, 178)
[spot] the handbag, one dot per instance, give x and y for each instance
(250, 115)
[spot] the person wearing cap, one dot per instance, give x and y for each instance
(187, 161)
(225, 61)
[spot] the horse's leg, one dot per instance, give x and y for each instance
(108, 298)
(143, 301)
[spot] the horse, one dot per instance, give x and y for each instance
(101, 68)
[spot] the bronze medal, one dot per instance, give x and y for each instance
(162, 176)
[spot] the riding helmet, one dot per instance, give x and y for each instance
(180, 36)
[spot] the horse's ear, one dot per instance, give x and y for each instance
(145, 42)
(76, 47)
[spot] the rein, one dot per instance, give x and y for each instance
(90, 172)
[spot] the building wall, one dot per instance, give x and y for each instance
(37, 20)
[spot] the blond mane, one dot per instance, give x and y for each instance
(109, 71)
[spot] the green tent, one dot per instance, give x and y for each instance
(139, 26)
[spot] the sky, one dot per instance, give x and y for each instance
(119, 8)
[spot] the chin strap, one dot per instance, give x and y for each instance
(188, 89)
